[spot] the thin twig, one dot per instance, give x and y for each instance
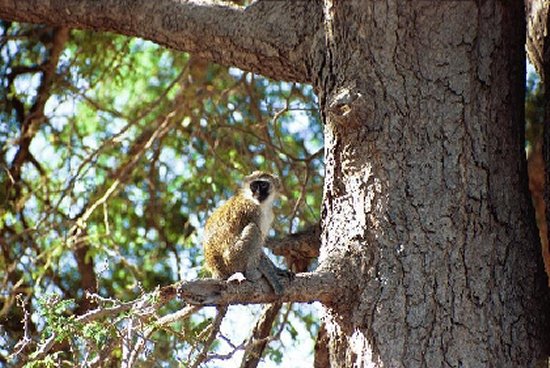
(144, 305)
(26, 340)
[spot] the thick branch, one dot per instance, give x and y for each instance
(299, 249)
(304, 288)
(273, 38)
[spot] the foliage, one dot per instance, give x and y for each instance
(109, 171)
(534, 111)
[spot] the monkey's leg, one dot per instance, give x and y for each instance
(247, 255)
(244, 255)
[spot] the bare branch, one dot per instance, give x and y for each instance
(257, 342)
(267, 37)
(213, 332)
(304, 287)
(161, 322)
(26, 340)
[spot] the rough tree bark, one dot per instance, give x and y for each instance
(268, 37)
(426, 202)
(429, 248)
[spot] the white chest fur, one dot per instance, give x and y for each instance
(266, 218)
(266, 211)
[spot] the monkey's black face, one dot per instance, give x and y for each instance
(260, 189)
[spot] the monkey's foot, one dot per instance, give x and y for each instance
(237, 276)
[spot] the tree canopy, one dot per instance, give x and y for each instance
(114, 150)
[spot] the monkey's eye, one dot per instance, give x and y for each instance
(259, 186)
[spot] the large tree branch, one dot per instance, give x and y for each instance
(304, 287)
(273, 38)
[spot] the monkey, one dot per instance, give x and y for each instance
(235, 233)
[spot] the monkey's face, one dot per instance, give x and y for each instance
(260, 189)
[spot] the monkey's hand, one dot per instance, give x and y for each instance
(237, 276)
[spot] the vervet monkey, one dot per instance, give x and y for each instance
(236, 231)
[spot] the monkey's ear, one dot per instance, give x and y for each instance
(255, 175)
(277, 183)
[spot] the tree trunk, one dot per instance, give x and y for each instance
(427, 217)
